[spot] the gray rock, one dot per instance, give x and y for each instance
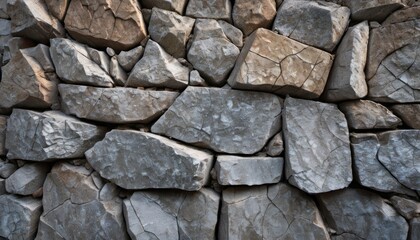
(409, 209)
(5, 33)
(275, 145)
(414, 229)
(110, 51)
(158, 69)
(171, 31)
(216, 9)
(316, 23)
(3, 10)
(74, 65)
(171, 5)
(172, 214)
(7, 168)
(347, 77)
(234, 34)
(99, 57)
(57, 8)
(30, 19)
(72, 209)
(269, 212)
(274, 63)
(2, 186)
(376, 10)
(236, 170)
(49, 135)
(249, 15)
(27, 179)
(127, 59)
(117, 72)
(173, 166)
(409, 113)
(3, 125)
(13, 46)
(196, 79)
(205, 117)
(19, 216)
(209, 38)
(365, 114)
(356, 211)
(318, 157)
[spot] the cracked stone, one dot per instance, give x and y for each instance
(275, 145)
(221, 54)
(365, 114)
(171, 31)
(57, 8)
(409, 113)
(236, 170)
(204, 117)
(170, 5)
(158, 69)
(3, 125)
(316, 23)
(106, 23)
(355, 211)
(117, 72)
(216, 9)
(318, 156)
(49, 135)
(72, 209)
(7, 168)
(27, 179)
(172, 214)
(376, 10)
(19, 216)
(249, 15)
(127, 59)
(409, 209)
(234, 34)
(173, 166)
(269, 212)
(274, 63)
(74, 64)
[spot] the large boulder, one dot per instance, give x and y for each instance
(249, 15)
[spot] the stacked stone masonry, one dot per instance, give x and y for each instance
(205, 120)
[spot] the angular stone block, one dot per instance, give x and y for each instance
(27, 179)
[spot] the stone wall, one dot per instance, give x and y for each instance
(177, 119)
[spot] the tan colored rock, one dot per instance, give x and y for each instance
(409, 113)
(274, 63)
(216, 9)
(57, 8)
(275, 145)
(170, 5)
(249, 15)
(106, 23)
(372, 10)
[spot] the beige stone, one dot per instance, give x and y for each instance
(170, 5)
(57, 8)
(249, 15)
(409, 113)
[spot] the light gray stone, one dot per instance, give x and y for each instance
(376, 10)
(99, 57)
(173, 166)
(409, 209)
(171, 31)
(7, 168)
(316, 23)
(19, 216)
(57, 8)
(355, 212)
(318, 157)
(229, 121)
(409, 113)
(127, 59)
(172, 214)
(117, 72)
(158, 69)
(249, 15)
(273, 63)
(236, 170)
(234, 34)
(110, 51)
(275, 145)
(220, 56)
(3, 10)
(27, 179)
(216, 9)
(171, 5)
(269, 212)
(5, 33)
(3, 125)
(49, 135)
(414, 229)
(196, 79)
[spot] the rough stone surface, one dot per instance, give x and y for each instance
(6, 168)
(318, 157)
(196, 79)
(158, 69)
(409, 113)
(376, 10)
(414, 229)
(355, 212)
(49, 135)
(72, 209)
(236, 170)
(316, 23)
(3, 125)
(172, 214)
(127, 59)
(269, 212)
(19, 216)
(205, 116)
(407, 208)
(117, 72)
(57, 8)
(74, 65)
(115, 105)
(171, 31)
(347, 77)
(115, 24)
(27, 179)
(249, 15)
(274, 63)
(216, 9)
(171, 5)
(275, 145)
(234, 34)
(220, 56)
(365, 114)
(173, 166)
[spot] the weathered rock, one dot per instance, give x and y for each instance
(5, 33)
(158, 69)
(234, 34)
(30, 19)
(127, 59)
(319, 24)
(318, 157)
(73, 64)
(27, 179)
(236, 170)
(365, 114)
(3, 10)
(57, 8)
(355, 212)
(376, 10)
(172, 214)
(3, 125)
(171, 31)
(249, 15)
(173, 166)
(273, 63)
(196, 79)
(171, 5)
(117, 72)
(13, 46)
(414, 229)
(103, 23)
(216, 9)
(99, 57)
(72, 209)
(369, 171)
(409, 113)
(347, 77)
(7, 168)
(269, 212)
(49, 135)
(19, 216)
(209, 38)
(407, 208)
(275, 145)
(205, 117)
